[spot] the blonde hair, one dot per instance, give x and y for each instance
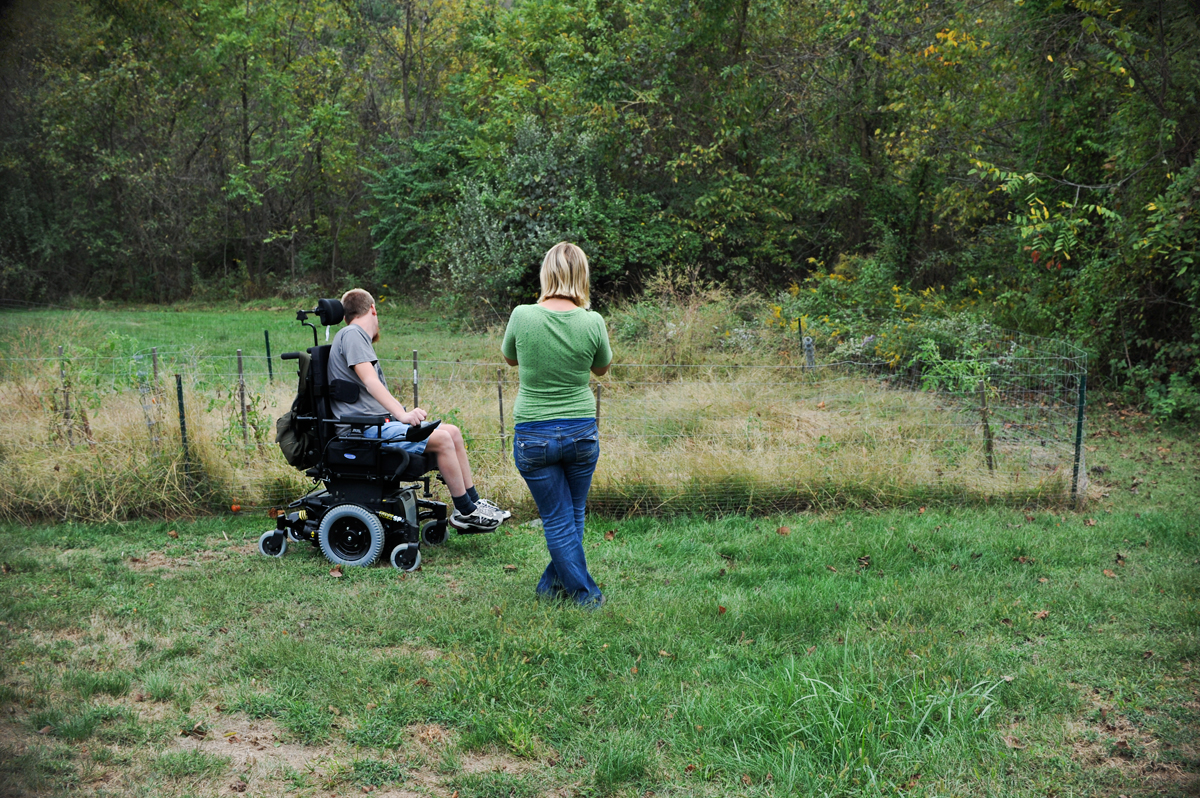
(565, 274)
(356, 302)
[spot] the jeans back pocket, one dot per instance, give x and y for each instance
(529, 454)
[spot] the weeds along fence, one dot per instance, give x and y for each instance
(104, 437)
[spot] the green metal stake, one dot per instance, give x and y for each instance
(1078, 440)
(187, 469)
(270, 370)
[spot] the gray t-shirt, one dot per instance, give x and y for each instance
(350, 347)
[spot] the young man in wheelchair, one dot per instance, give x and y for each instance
(352, 358)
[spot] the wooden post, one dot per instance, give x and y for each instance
(242, 402)
(62, 375)
(416, 400)
(987, 427)
(500, 398)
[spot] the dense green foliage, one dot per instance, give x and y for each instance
(1036, 158)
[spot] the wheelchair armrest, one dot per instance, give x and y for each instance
(356, 420)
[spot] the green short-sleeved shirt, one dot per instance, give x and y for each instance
(554, 350)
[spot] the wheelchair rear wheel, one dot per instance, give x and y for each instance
(351, 535)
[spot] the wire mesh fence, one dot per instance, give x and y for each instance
(104, 436)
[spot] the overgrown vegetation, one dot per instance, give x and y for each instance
(942, 651)
(1034, 163)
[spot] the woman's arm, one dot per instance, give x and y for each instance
(509, 360)
(599, 371)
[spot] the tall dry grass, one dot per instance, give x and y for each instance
(720, 437)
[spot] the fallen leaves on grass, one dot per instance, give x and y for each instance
(830, 567)
(238, 786)
(1013, 742)
(1120, 559)
(1042, 580)
(1023, 560)
(198, 731)
(1089, 522)
(610, 534)
(784, 531)
(663, 653)
(6, 568)
(720, 610)
(510, 567)
(864, 561)
(1006, 621)
(45, 730)
(1109, 574)
(1042, 615)
(1147, 654)
(173, 534)
(336, 572)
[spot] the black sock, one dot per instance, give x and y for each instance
(463, 504)
(473, 494)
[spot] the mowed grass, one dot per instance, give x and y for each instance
(937, 652)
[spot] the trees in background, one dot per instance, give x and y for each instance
(1038, 155)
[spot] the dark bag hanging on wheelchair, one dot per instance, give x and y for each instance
(298, 439)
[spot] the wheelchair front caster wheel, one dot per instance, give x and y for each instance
(433, 532)
(272, 544)
(406, 557)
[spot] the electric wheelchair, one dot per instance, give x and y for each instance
(369, 502)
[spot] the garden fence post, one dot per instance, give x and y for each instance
(270, 368)
(62, 374)
(242, 402)
(500, 399)
(1081, 402)
(183, 427)
(987, 427)
(810, 360)
(415, 396)
(154, 355)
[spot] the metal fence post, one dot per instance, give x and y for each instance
(242, 402)
(270, 368)
(1081, 402)
(154, 354)
(500, 399)
(810, 360)
(415, 396)
(187, 469)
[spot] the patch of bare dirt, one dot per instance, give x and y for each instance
(427, 654)
(155, 560)
(1112, 741)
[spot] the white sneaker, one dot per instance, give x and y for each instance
(479, 521)
(493, 508)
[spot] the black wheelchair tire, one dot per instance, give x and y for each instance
(406, 557)
(434, 532)
(272, 544)
(351, 535)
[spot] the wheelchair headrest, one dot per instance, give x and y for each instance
(329, 311)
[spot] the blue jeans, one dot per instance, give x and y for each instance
(391, 431)
(557, 459)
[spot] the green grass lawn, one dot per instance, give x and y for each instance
(222, 331)
(949, 651)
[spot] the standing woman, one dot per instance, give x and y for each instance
(555, 344)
